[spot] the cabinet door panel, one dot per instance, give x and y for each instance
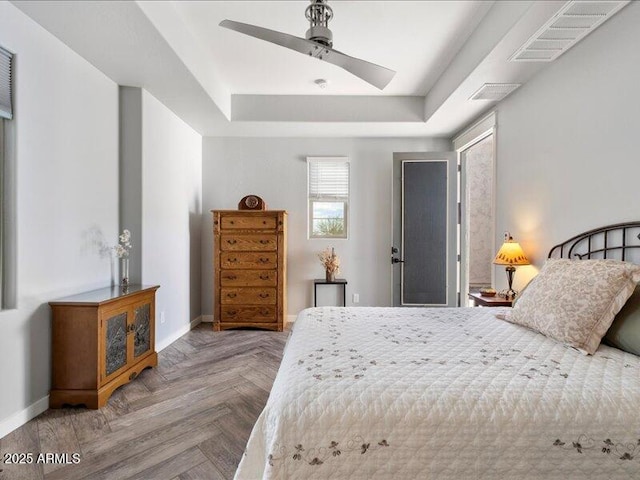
(115, 343)
(142, 331)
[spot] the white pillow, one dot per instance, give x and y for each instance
(575, 301)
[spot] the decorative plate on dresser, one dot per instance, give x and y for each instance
(249, 252)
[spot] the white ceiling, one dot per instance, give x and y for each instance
(416, 39)
(224, 83)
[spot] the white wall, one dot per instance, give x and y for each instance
(171, 217)
(567, 143)
(276, 170)
(65, 131)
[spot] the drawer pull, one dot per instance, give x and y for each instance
(264, 295)
(232, 312)
(231, 222)
(232, 242)
(231, 295)
(264, 222)
(264, 277)
(232, 260)
(264, 260)
(264, 311)
(231, 277)
(264, 242)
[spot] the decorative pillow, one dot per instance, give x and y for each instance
(624, 332)
(575, 301)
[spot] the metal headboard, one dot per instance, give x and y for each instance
(613, 241)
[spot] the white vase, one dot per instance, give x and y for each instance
(124, 271)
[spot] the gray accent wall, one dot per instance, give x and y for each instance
(130, 177)
(160, 203)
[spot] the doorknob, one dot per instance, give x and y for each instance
(396, 260)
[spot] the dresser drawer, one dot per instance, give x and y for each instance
(260, 260)
(260, 242)
(248, 278)
(254, 223)
(247, 296)
(232, 313)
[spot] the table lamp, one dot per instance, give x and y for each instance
(511, 255)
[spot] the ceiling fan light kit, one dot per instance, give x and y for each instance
(318, 43)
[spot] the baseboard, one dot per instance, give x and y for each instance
(196, 321)
(176, 335)
(16, 420)
(291, 318)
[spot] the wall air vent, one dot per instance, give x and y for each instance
(575, 20)
(494, 91)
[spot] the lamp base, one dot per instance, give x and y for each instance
(510, 293)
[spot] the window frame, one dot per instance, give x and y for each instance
(311, 200)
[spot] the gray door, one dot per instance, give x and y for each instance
(424, 250)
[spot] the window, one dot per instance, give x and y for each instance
(6, 107)
(7, 268)
(328, 196)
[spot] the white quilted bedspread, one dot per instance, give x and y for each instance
(371, 393)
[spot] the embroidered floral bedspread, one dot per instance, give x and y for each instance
(372, 393)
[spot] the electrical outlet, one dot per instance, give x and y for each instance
(162, 319)
(356, 298)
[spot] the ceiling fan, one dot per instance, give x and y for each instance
(318, 44)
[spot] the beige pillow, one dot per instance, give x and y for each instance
(575, 301)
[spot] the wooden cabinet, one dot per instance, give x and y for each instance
(250, 268)
(100, 340)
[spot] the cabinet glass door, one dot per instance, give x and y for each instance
(142, 332)
(116, 343)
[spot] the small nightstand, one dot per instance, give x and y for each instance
(496, 301)
(322, 281)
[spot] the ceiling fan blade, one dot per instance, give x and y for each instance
(369, 72)
(298, 44)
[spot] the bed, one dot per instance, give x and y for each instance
(367, 393)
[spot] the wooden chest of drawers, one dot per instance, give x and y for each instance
(250, 269)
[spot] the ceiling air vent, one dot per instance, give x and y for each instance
(494, 91)
(574, 21)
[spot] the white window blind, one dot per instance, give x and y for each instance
(6, 110)
(328, 177)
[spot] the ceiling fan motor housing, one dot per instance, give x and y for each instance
(319, 14)
(321, 35)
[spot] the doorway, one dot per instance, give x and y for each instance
(477, 193)
(423, 252)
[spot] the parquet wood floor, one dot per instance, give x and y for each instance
(187, 419)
